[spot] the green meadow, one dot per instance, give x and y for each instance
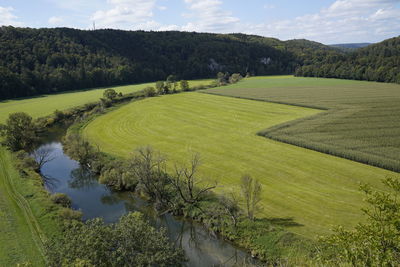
(315, 190)
(362, 121)
(41, 106)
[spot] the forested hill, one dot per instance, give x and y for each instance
(350, 46)
(378, 62)
(38, 61)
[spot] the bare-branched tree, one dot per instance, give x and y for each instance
(150, 169)
(43, 155)
(191, 189)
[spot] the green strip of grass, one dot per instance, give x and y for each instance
(316, 190)
(27, 216)
(42, 106)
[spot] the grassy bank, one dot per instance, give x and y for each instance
(362, 124)
(27, 216)
(308, 190)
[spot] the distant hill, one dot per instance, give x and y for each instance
(45, 61)
(377, 62)
(38, 61)
(350, 45)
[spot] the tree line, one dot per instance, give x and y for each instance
(379, 62)
(45, 61)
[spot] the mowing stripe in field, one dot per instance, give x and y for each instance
(317, 190)
(363, 122)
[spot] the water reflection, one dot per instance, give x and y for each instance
(83, 179)
(65, 175)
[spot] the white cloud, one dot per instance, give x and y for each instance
(209, 16)
(343, 21)
(127, 14)
(55, 21)
(8, 18)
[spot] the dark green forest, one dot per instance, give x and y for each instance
(45, 61)
(379, 62)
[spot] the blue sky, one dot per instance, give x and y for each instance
(326, 21)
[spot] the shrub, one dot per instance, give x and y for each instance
(58, 115)
(110, 94)
(149, 91)
(69, 214)
(236, 77)
(61, 199)
(119, 177)
(25, 161)
(184, 85)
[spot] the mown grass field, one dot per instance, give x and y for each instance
(362, 122)
(45, 105)
(26, 213)
(27, 216)
(316, 190)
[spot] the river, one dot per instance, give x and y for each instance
(64, 175)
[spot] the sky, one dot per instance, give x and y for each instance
(325, 21)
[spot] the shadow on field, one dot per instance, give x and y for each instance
(285, 222)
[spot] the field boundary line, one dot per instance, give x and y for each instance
(356, 156)
(265, 100)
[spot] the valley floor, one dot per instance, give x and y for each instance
(311, 190)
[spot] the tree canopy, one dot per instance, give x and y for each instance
(379, 62)
(19, 131)
(130, 242)
(45, 61)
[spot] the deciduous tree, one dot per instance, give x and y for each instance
(251, 193)
(19, 131)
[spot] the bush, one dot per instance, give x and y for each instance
(119, 177)
(110, 94)
(236, 77)
(25, 161)
(61, 199)
(149, 91)
(184, 85)
(70, 215)
(58, 115)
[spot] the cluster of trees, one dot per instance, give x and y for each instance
(379, 62)
(130, 242)
(182, 193)
(39, 61)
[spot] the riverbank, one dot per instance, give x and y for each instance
(96, 200)
(265, 239)
(27, 216)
